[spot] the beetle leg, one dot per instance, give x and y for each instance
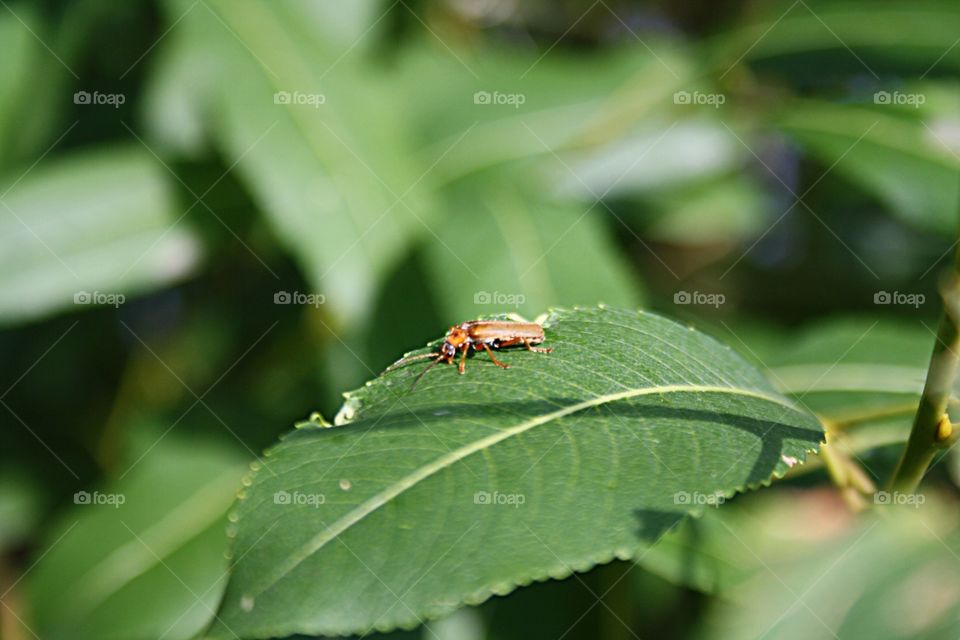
(495, 361)
(463, 358)
(530, 347)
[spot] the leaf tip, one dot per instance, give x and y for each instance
(347, 413)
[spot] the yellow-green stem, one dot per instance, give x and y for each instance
(925, 440)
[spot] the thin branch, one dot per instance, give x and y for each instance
(931, 427)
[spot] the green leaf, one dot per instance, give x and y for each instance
(94, 224)
(703, 553)
(562, 102)
(424, 500)
(15, 74)
(861, 375)
(314, 138)
(525, 255)
(921, 32)
(893, 156)
(33, 87)
(176, 100)
(143, 557)
(655, 157)
(21, 506)
(727, 209)
(817, 571)
(849, 369)
(794, 564)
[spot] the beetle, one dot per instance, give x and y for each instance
(476, 335)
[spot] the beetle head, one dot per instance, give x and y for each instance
(447, 350)
(456, 338)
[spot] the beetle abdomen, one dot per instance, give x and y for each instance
(496, 331)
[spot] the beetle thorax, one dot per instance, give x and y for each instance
(457, 336)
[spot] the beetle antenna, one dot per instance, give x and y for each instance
(403, 361)
(424, 372)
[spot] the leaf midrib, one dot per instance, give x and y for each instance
(390, 492)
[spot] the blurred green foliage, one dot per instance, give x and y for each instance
(174, 171)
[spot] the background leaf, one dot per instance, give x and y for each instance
(894, 156)
(563, 103)
(307, 133)
(98, 222)
(893, 32)
(847, 368)
(163, 546)
(814, 570)
(32, 89)
(20, 507)
(531, 254)
(793, 565)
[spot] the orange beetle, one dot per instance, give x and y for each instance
(476, 335)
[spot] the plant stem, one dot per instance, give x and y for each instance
(927, 434)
